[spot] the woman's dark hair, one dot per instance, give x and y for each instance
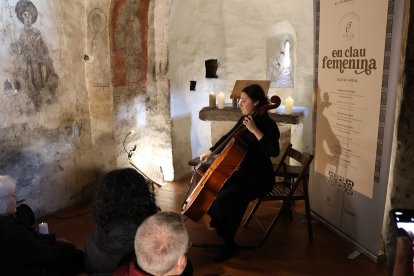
(124, 193)
(256, 93)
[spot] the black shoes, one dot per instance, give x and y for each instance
(228, 251)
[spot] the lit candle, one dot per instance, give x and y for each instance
(212, 100)
(43, 228)
(220, 101)
(288, 105)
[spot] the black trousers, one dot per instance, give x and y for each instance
(232, 201)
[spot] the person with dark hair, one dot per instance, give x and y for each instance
(255, 175)
(123, 199)
(24, 251)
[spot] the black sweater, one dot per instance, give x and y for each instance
(257, 160)
(25, 252)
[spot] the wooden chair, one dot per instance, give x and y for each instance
(291, 184)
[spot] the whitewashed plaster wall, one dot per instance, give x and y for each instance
(233, 32)
(45, 128)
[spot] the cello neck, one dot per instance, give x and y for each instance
(273, 103)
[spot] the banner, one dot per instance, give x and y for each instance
(350, 67)
(353, 58)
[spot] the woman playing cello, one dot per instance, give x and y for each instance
(255, 175)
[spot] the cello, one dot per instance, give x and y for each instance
(209, 179)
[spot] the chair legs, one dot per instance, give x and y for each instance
(272, 224)
(283, 209)
(287, 191)
(252, 212)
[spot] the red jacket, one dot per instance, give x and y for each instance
(130, 269)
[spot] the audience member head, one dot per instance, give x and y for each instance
(7, 195)
(124, 193)
(161, 244)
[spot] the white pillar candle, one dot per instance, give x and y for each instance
(288, 105)
(43, 228)
(212, 100)
(220, 100)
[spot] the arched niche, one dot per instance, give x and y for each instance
(280, 55)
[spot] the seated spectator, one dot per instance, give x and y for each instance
(161, 244)
(23, 251)
(404, 262)
(25, 213)
(123, 199)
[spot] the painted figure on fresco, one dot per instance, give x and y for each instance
(130, 40)
(97, 25)
(34, 64)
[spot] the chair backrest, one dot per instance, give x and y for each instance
(286, 190)
(304, 159)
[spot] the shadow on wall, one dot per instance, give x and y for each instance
(181, 145)
(25, 167)
(32, 173)
(86, 192)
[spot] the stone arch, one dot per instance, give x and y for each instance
(280, 54)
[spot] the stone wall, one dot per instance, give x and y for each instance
(400, 188)
(138, 42)
(45, 127)
(77, 79)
